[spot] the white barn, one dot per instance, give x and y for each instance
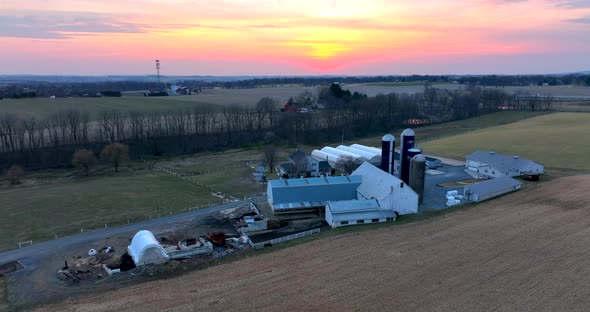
(490, 188)
(349, 212)
(489, 164)
(145, 249)
(390, 192)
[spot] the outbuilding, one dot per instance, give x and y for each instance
(390, 192)
(286, 195)
(349, 212)
(145, 249)
(489, 164)
(487, 189)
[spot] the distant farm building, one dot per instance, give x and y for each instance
(489, 164)
(302, 165)
(312, 193)
(390, 192)
(349, 212)
(490, 188)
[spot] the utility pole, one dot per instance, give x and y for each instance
(158, 70)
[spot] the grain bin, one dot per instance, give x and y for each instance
(407, 143)
(417, 175)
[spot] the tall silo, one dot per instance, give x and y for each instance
(387, 149)
(417, 174)
(407, 142)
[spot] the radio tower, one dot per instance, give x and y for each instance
(158, 70)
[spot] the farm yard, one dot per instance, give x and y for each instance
(502, 255)
(555, 140)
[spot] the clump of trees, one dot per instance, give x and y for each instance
(84, 159)
(270, 156)
(346, 164)
(115, 154)
(14, 173)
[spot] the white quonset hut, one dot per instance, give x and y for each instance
(349, 212)
(145, 249)
(489, 164)
(390, 192)
(487, 189)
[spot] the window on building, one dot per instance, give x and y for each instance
(360, 221)
(344, 222)
(389, 219)
(375, 220)
(401, 185)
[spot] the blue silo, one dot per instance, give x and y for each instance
(407, 142)
(387, 149)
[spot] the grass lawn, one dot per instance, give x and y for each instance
(556, 140)
(446, 129)
(62, 207)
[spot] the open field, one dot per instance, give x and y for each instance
(428, 133)
(527, 251)
(43, 107)
(3, 302)
(555, 140)
(42, 207)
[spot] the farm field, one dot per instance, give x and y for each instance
(555, 140)
(45, 206)
(505, 254)
(446, 129)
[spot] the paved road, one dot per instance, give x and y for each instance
(34, 250)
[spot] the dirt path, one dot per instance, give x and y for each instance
(528, 251)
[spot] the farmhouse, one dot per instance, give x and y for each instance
(310, 193)
(490, 188)
(348, 212)
(390, 192)
(300, 164)
(489, 164)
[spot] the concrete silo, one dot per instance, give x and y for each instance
(417, 174)
(406, 143)
(387, 150)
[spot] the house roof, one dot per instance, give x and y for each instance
(286, 167)
(376, 182)
(493, 185)
(324, 164)
(503, 162)
(297, 155)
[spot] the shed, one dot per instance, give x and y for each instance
(349, 212)
(296, 194)
(391, 193)
(145, 249)
(489, 164)
(490, 188)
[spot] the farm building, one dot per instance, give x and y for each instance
(299, 194)
(490, 188)
(390, 192)
(300, 164)
(349, 212)
(489, 164)
(145, 249)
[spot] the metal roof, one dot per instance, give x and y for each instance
(363, 215)
(493, 185)
(347, 206)
(503, 162)
(377, 183)
(294, 193)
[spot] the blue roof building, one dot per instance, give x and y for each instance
(296, 194)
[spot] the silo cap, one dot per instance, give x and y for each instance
(388, 138)
(419, 157)
(408, 132)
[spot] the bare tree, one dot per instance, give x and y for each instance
(14, 174)
(115, 154)
(346, 164)
(270, 156)
(305, 99)
(300, 166)
(84, 159)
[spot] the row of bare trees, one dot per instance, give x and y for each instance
(35, 142)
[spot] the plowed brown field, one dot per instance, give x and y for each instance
(528, 251)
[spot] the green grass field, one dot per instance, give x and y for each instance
(446, 129)
(62, 206)
(556, 140)
(43, 107)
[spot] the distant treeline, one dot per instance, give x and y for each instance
(51, 142)
(82, 89)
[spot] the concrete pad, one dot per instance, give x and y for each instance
(433, 172)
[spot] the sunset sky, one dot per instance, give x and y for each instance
(274, 37)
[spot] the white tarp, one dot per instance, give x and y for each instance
(145, 249)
